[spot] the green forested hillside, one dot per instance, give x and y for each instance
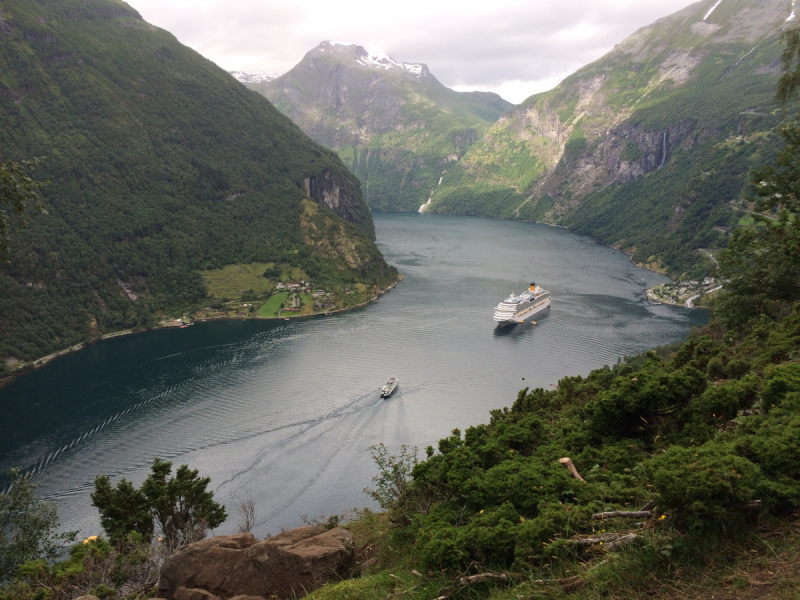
(394, 124)
(159, 165)
(648, 148)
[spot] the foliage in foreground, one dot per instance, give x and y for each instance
(181, 506)
(703, 435)
(26, 526)
(127, 569)
(127, 563)
(753, 563)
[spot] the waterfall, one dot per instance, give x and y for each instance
(664, 149)
(425, 206)
(713, 8)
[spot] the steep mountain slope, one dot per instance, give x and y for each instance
(394, 124)
(160, 164)
(646, 148)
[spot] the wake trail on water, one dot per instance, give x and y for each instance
(75, 447)
(283, 451)
(285, 445)
(176, 397)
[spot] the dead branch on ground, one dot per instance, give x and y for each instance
(567, 462)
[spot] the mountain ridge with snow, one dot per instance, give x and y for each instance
(393, 123)
(380, 60)
(257, 77)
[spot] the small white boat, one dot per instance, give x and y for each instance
(390, 387)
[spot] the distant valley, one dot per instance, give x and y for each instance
(394, 124)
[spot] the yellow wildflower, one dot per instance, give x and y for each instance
(480, 513)
(91, 538)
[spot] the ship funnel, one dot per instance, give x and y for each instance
(533, 287)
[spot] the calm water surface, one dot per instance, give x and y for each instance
(284, 412)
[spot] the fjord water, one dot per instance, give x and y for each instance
(284, 412)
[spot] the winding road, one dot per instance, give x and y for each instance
(690, 301)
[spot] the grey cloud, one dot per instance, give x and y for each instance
(527, 46)
(464, 44)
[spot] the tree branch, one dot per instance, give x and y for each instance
(567, 462)
(480, 578)
(625, 514)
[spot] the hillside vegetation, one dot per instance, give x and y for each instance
(394, 124)
(646, 149)
(159, 165)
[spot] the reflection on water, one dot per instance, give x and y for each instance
(284, 412)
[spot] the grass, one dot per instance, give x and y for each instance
(746, 220)
(761, 562)
(232, 280)
(273, 305)
(307, 307)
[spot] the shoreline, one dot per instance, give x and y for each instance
(688, 303)
(653, 298)
(42, 361)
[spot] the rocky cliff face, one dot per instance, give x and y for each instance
(623, 155)
(341, 195)
(663, 106)
(391, 122)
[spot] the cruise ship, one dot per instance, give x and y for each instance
(518, 309)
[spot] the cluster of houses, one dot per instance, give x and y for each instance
(677, 293)
(322, 301)
(294, 286)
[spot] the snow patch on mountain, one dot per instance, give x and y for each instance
(713, 8)
(379, 60)
(792, 16)
(245, 77)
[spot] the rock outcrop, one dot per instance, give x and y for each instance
(342, 196)
(203, 565)
(288, 565)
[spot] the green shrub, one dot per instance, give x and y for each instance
(27, 526)
(180, 505)
(705, 486)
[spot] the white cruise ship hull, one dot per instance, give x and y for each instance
(522, 316)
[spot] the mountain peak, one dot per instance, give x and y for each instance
(376, 60)
(257, 77)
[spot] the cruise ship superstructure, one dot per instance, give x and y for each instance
(520, 308)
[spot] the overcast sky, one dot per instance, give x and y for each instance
(513, 47)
